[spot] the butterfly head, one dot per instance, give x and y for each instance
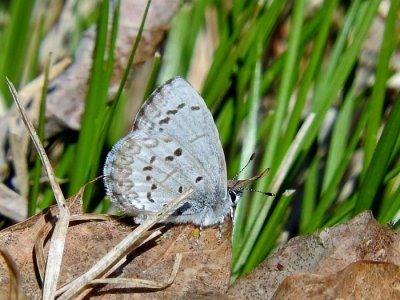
(237, 187)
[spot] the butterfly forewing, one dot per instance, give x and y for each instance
(177, 110)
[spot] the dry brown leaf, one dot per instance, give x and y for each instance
(19, 240)
(203, 271)
(322, 253)
(15, 291)
(359, 280)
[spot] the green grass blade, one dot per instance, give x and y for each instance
(285, 89)
(249, 144)
(389, 213)
(94, 109)
(380, 160)
(153, 76)
(389, 42)
(182, 40)
(341, 131)
(292, 153)
(133, 52)
(327, 92)
(116, 110)
(326, 15)
(15, 45)
(329, 194)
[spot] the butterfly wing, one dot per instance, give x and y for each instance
(178, 111)
(174, 145)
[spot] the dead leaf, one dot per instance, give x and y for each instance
(15, 291)
(322, 253)
(204, 269)
(359, 280)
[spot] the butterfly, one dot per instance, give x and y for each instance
(174, 145)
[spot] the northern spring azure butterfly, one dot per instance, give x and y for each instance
(174, 145)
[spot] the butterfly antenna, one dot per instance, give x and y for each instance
(269, 194)
(241, 170)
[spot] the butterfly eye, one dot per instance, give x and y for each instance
(233, 196)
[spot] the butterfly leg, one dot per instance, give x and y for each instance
(197, 239)
(219, 233)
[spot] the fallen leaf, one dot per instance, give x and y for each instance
(323, 253)
(204, 270)
(359, 280)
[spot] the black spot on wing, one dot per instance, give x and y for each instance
(164, 121)
(148, 196)
(172, 111)
(169, 158)
(178, 152)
